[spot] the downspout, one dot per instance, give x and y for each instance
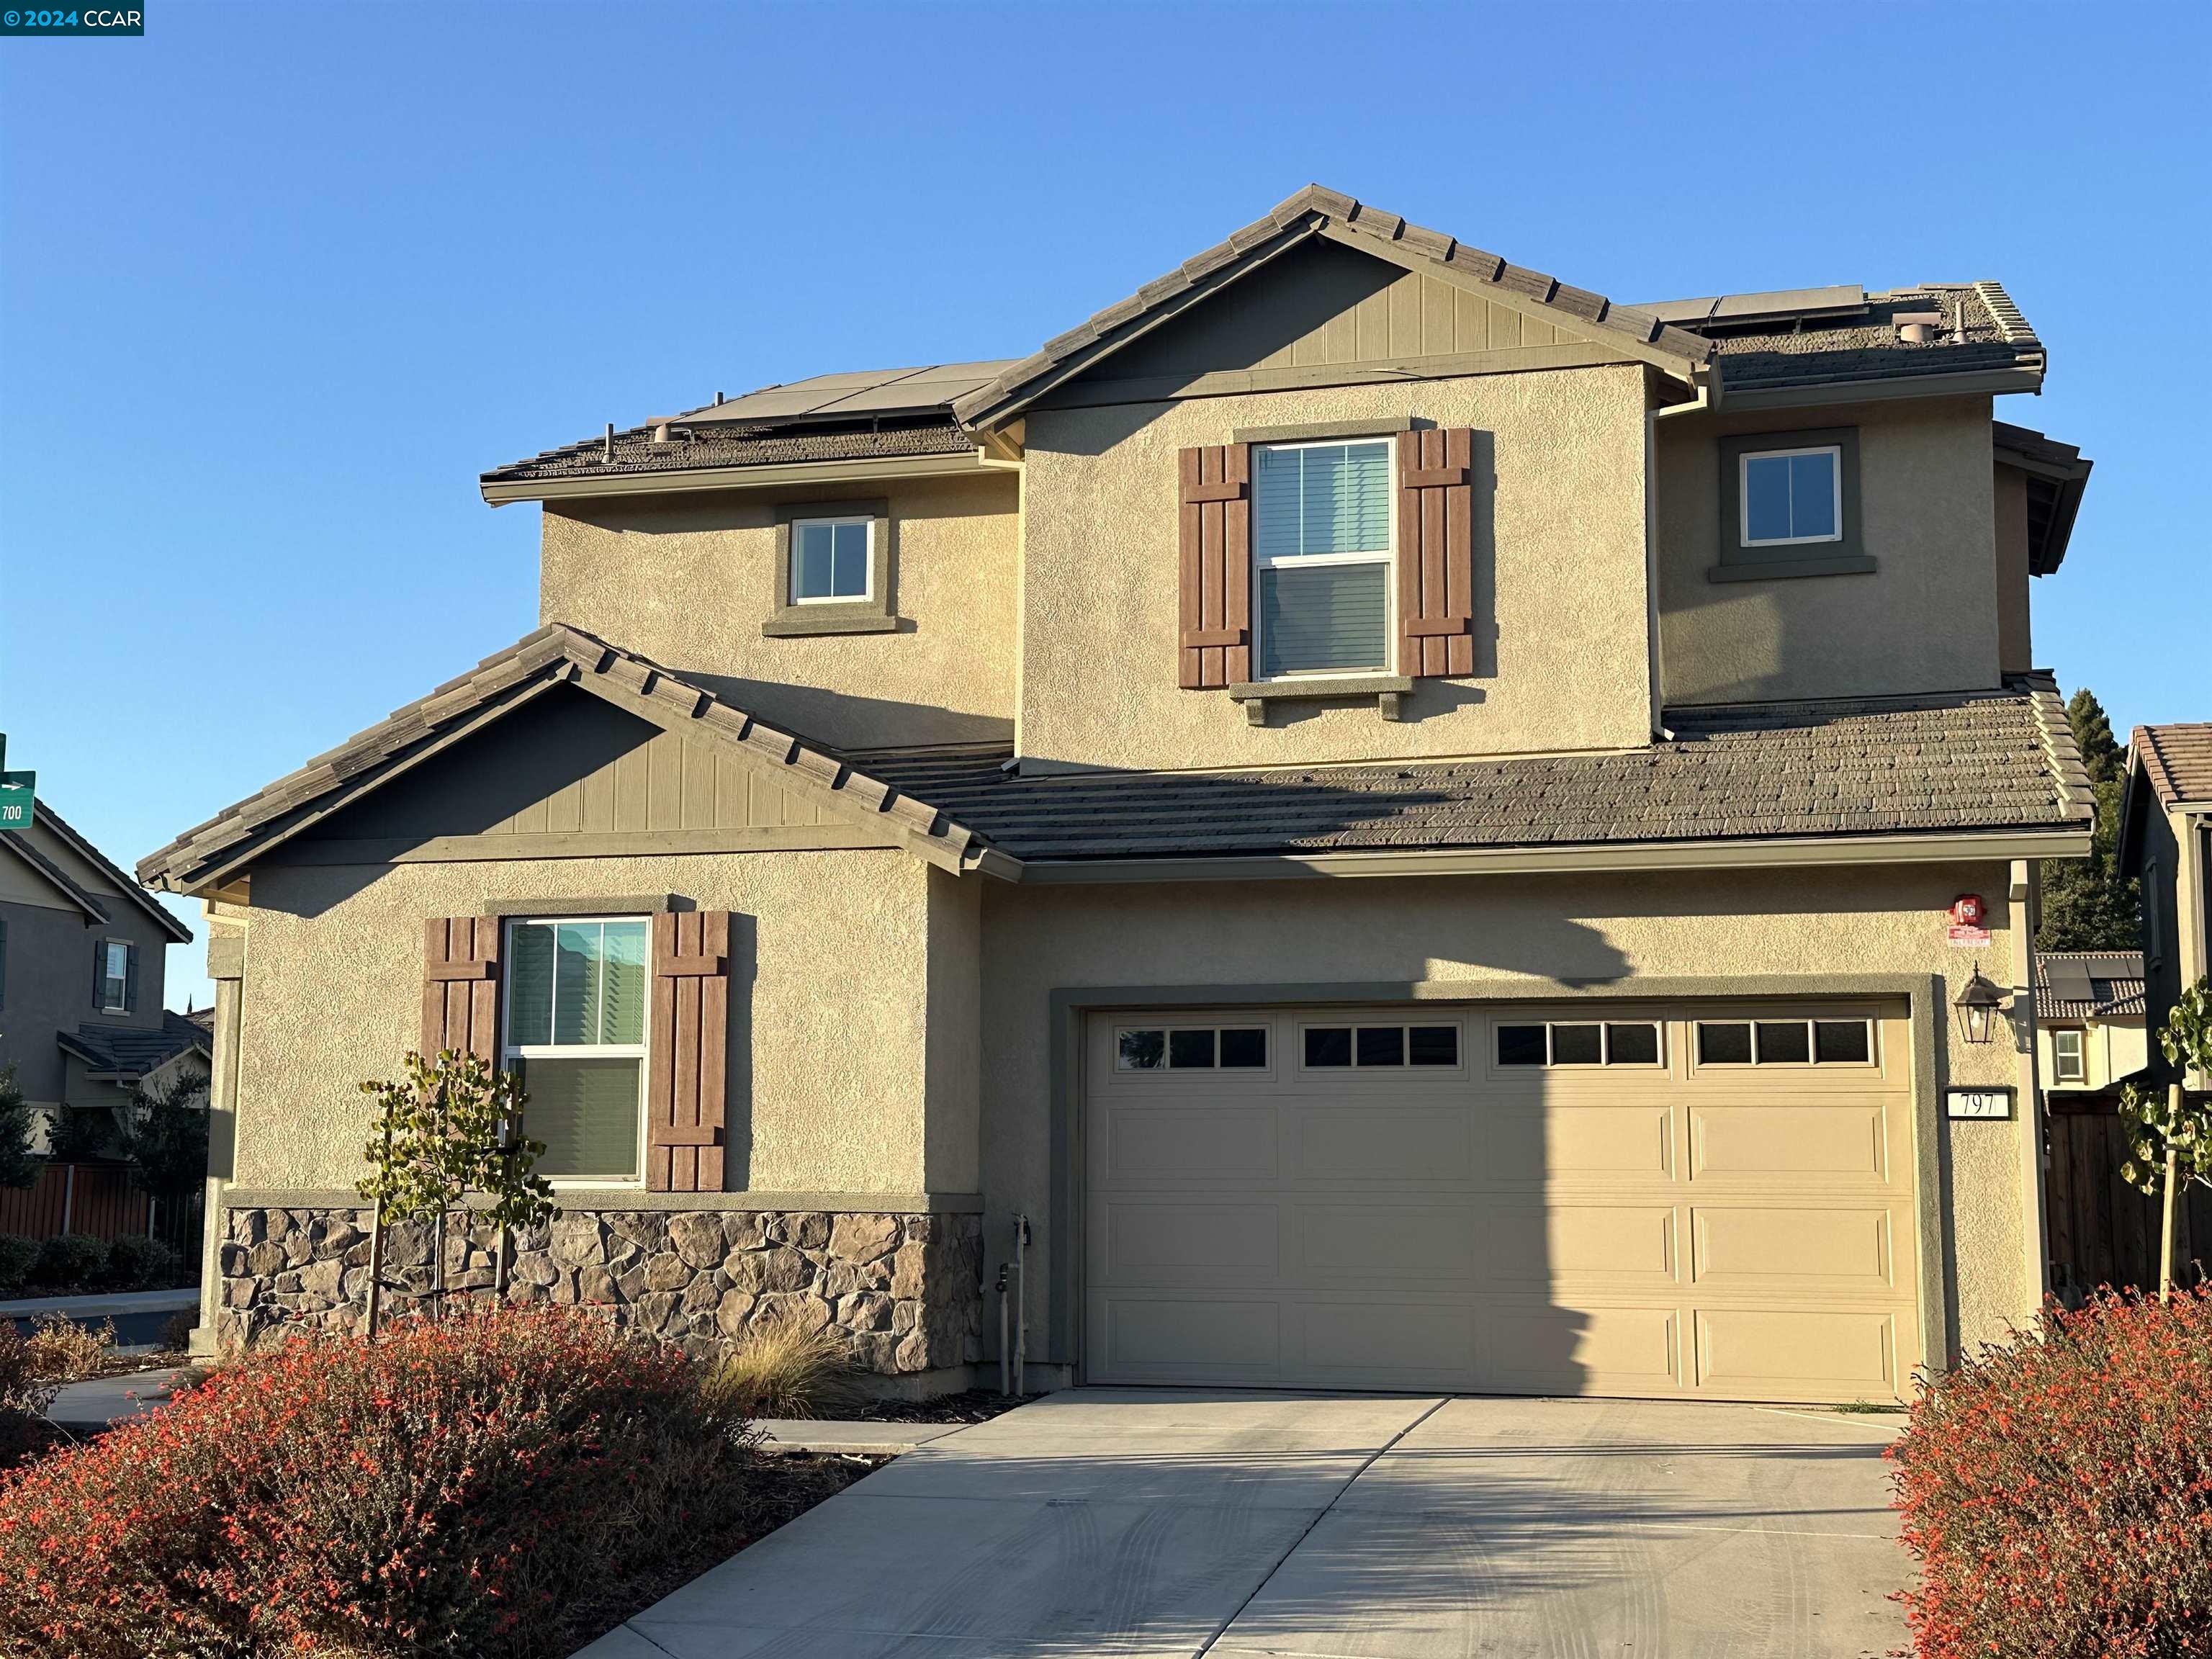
(1655, 669)
(2023, 894)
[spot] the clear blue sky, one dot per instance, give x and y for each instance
(277, 282)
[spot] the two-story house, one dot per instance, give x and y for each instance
(2090, 1035)
(81, 1021)
(1362, 817)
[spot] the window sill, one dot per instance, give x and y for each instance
(1768, 570)
(799, 622)
(1385, 689)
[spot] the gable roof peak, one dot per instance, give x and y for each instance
(1318, 210)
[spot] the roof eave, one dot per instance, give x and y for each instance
(501, 493)
(2024, 377)
(1778, 851)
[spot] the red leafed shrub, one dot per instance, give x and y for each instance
(455, 1488)
(2058, 1491)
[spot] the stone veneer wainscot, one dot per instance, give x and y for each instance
(903, 1290)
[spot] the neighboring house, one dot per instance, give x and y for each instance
(2166, 843)
(2089, 1030)
(82, 951)
(1397, 824)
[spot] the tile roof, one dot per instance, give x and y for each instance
(2177, 759)
(553, 655)
(1820, 350)
(98, 908)
(1967, 763)
(2115, 980)
(1806, 338)
(133, 1051)
(690, 448)
(1962, 764)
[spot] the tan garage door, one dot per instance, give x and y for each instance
(1713, 1201)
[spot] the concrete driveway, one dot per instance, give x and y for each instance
(1354, 1527)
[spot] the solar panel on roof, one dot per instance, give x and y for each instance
(2068, 981)
(860, 392)
(1752, 307)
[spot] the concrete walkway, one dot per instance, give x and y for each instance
(90, 1407)
(1139, 1521)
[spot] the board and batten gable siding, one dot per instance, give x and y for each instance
(1558, 634)
(1928, 619)
(688, 580)
(572, 765)
(1320, 307)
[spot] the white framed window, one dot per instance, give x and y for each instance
(2066, 1050)
(832, 560)
(573, 1026)
(115, 976)
(1790, 497)
(1323, 528)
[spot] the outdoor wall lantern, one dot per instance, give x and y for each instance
(1979, 1004)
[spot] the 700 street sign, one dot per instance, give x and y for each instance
(18, 794)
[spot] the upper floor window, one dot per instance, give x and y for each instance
(2066, 1050)
(114, 976)
(1790, 506)
(576, 1030)
(1792, 496)
(833, 570)
(829, 560)
(1321, 540)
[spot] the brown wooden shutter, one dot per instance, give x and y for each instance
(689, 1051)
(1436, 551)
(460, 986)
(1215, 566)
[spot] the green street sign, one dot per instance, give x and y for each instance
(18, 799)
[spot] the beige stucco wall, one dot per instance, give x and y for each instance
(688, 580)
(832, 1021)
(1490, 933)
(1927, 620)
(1560, 576)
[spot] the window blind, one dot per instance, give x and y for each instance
(1323, 498)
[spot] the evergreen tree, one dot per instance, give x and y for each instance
(2088, 903)
(19, 1165)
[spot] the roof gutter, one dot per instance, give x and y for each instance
(867, 469)
(1768, 852)
(1989, 382)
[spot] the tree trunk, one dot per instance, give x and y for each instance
(2173, 1109)
(438, 1268)
(375, 1269)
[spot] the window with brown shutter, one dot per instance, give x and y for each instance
(687, 1048)
(1215, 543)
(460, 986)
(1436, 551)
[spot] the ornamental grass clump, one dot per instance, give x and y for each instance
(484, 1486)
(2057, 1491)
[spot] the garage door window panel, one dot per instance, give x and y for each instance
(1152, 1048)
(1785, 1042)
(1580, 1042)
(1379, 1047)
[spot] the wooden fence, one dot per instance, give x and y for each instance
(76, 1197)
(2100, 1229)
